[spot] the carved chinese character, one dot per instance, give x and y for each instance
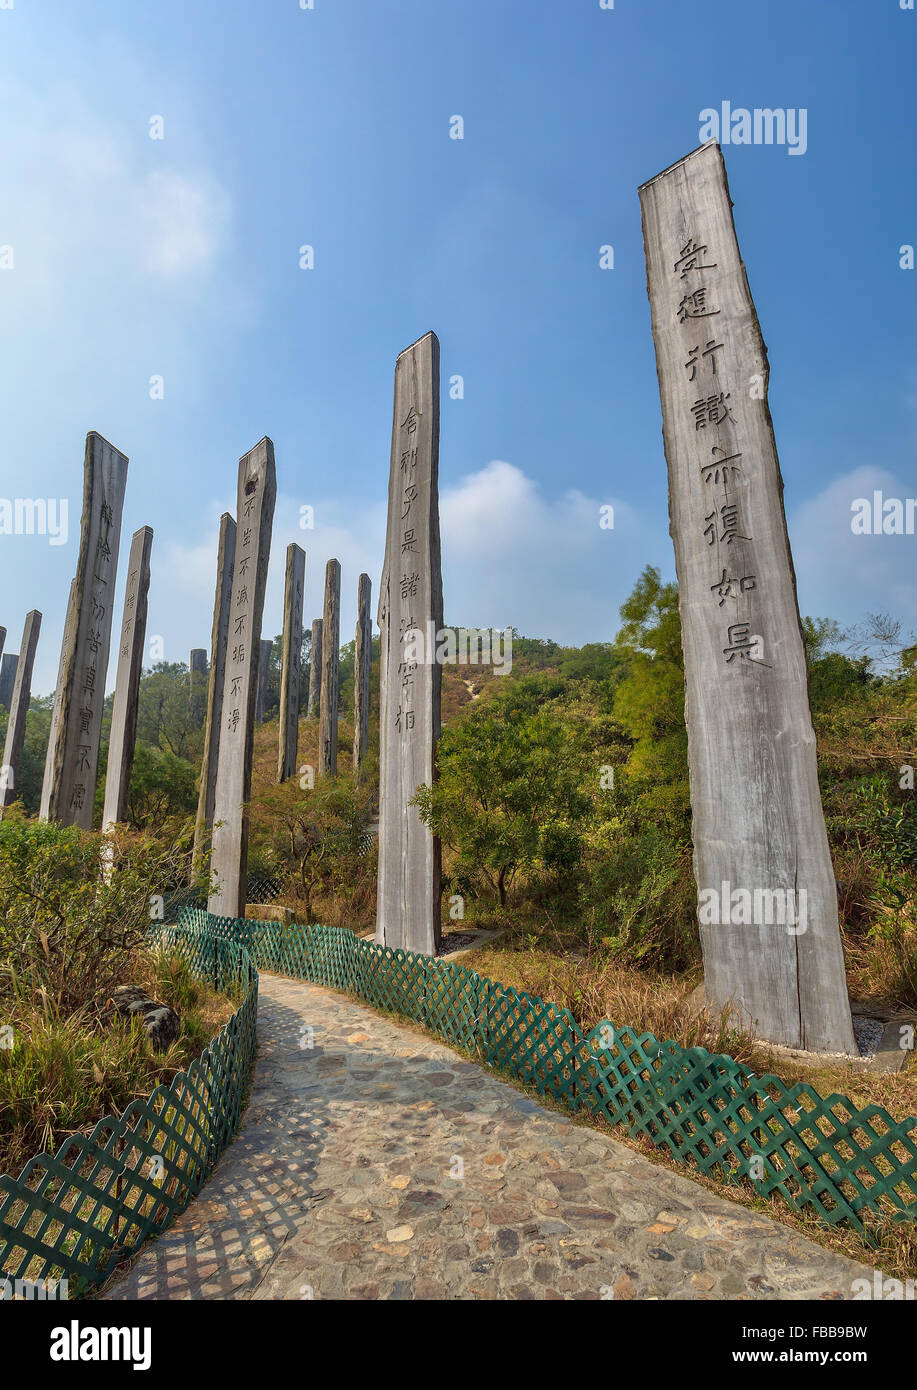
(730, 520)
(407, 542)
(691, 258)
(740, 643)
(410, 421)
(410, 494)
(712, 348)
(721, 466)
(694, 306)
(732, 588)
(713, 410)
(409, 584)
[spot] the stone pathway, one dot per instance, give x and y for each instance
(381, 1165)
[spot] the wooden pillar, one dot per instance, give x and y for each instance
(291, 657)
(328, 717)
(257, 492)
(127, 681)
(767, 900)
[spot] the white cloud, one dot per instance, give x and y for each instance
(122, 270)
(181, 221)
(88, 208)
(511, 557)
(514, 556)
(844, 576)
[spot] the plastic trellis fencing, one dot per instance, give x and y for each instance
(825, 1154)
(76, 1213)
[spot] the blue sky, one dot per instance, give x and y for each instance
(330, 127)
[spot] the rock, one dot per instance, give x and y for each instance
(160, 1021)
(269, 912)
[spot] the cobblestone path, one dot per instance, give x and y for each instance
(380, 1164)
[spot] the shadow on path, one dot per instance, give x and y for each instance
(374, 1162)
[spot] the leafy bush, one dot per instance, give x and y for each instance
(509, 793)
(316, 841)
(74, 905)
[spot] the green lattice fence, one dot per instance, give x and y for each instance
(825, 1154)
(75, 1213)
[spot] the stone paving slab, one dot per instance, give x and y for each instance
(379, 1164)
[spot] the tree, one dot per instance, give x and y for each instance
(596, 661)
(166, 717)
(162, 786)
(319, 837)
(509, 792)
(649, 702)
(31, 771)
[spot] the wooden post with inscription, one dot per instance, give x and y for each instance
(19, 709)
(219, 638)
(197, 685)
(127, 680)
(264, 666)
(410, 602)
(315, 670)
(331, 671)
(257, 492)
(8, 664)
(68, 790)
(291, 656)
(362, 665)
(767, 899)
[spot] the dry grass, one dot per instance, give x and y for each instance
(599, 988)
(64, 1074)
